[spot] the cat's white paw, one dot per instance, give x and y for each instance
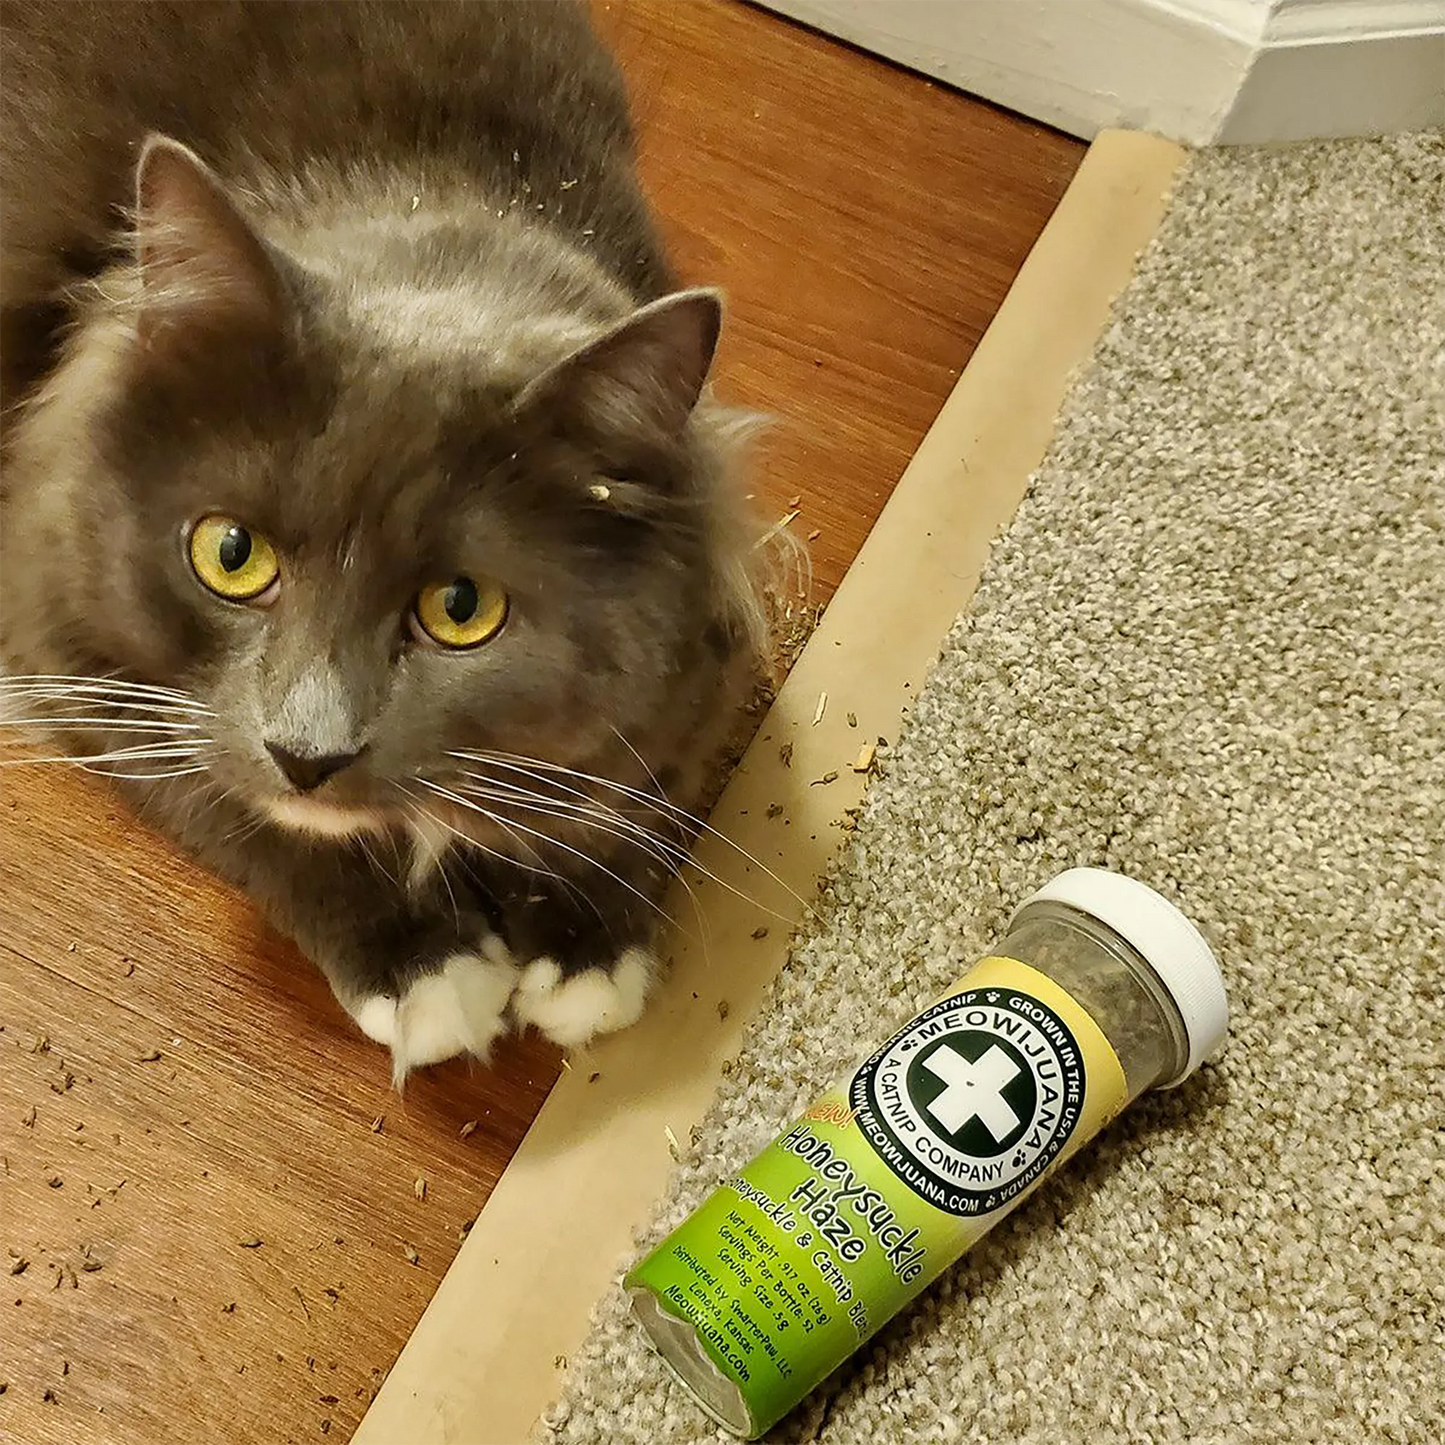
(460, 1008)
(597, 1001)
(376, 1018)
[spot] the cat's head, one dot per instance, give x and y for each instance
(372, 518)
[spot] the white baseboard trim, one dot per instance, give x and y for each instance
(1314, 22)
(1196, 71)
(1330, 68)
(1080, 65)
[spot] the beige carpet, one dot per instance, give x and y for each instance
(1210, 652)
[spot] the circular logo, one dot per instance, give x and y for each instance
(973, 1100)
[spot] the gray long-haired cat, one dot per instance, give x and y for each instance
(362, 509)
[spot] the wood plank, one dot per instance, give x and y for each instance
(255, 1121)
(607, 1142)
(865, 224)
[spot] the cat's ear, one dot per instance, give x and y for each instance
(644, 376)
(204, 272)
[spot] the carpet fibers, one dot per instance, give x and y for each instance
(1210, 652)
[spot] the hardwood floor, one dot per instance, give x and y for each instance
(212, 1202)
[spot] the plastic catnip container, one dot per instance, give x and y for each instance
(1100, 990)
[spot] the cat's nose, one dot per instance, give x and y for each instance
(309, 770)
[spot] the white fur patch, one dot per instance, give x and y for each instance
(376, 1018)
(429, 841)
(314, 706)
(460, 1009)
(495, 951)
(597, 1001)
(324, 820)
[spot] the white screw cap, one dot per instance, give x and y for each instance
(1172, 946)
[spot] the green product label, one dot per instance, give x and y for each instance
(788, 1267)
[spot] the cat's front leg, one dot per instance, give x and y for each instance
(416, 961)
(572, 1007)
(428, 979)
(440, 997)
(584, 947)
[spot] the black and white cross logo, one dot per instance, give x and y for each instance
(975, 1090)
(978, 1093)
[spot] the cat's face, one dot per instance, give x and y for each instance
(366, 553)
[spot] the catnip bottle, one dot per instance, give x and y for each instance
(1099, 990)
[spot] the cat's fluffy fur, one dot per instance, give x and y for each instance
(389, 296)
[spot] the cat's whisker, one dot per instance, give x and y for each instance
(672, 853)
(126, 771)
(669, 856)
(376, 863)
(658, 790)
(550, 841)
(166, 723)
(94, 700)
(589, 809)
(116, 687)
(144, 777)
(120, 725)
(159, 745)
(62, 687)
(161, 753)
(451, 893)
(654, 846)
(66, 679)
(163, 758)
(396, 873)
(516, 762)
(589, 804)
(38, 707)
(676, 858)
(540, 870)
(252, 820)
(657, 802)
(587, 799)
(426, 815)
(690, 860)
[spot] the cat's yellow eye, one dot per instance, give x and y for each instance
(233, 561)
(464, 612)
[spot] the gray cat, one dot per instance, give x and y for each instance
(363, 510)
